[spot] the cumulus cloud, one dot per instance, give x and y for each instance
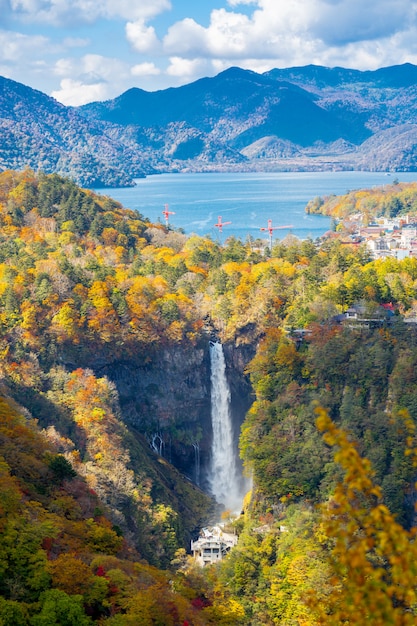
(92, 65)
(286, 31)
(136, 9)
(229, 33)
(254, 34)
(186, 68)
(73, 12)
(63, 67)
(142, 38)
(16, 46)
(233, 35)
(187, 38)
(145, 69)
(93, 77)
(354, 21)
(75, 92)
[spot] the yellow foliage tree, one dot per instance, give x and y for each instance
(373, 559)
(70, 574)
(66, 322)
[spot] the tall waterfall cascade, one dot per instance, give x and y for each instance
(225, 478)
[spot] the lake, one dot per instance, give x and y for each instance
(247, 200)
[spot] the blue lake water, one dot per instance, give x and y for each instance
(247, 200)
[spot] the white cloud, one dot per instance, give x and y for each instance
(73, 12)
(186, 69)
(143, 38)
(92, 77)
(104, 66)
(55, 12)
(234, 35)
(187, 38)
(76, 93)
(355, 21)
(16, 46)
(63, 67)
(229, 33)
(295, 31)
(374, 54)
(254, 34)
(135, 9)
(145, 69)
(24, 6)
(75, 42)
(92, 65)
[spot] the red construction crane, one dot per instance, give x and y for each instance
(167, 213)
(271, 228)
(220, 224)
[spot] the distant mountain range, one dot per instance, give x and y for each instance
(301, 118)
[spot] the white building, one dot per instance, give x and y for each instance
(212, 546)
(377, 245)
(408, 234)
(403, 253)
(392, 222)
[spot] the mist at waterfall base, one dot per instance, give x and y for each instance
(226, 482)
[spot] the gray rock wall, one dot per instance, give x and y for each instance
(166, 396)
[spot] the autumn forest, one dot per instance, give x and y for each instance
(95, 523)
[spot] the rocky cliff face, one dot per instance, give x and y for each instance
(167, 397)
(237, 358)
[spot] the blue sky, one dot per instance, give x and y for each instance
(84, 50)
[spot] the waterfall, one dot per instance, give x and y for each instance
(224, 474)
(157, 443)
(196, 447)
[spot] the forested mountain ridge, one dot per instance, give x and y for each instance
(279, 118)
(311, 118)
(84, 283)
(39, 132)
(232, 100)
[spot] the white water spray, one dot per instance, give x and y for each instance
(224, 475)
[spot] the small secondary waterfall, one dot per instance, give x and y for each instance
(224, 475)
(196, 447)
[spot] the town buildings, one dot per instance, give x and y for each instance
(395, 237)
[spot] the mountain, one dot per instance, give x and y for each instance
(297, 118)
(236, 107)
(242, 103)
(39, 132)
(397, 76)
(300, 118)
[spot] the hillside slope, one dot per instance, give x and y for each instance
(105, 321)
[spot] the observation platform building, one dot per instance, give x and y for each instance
(212, 546)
